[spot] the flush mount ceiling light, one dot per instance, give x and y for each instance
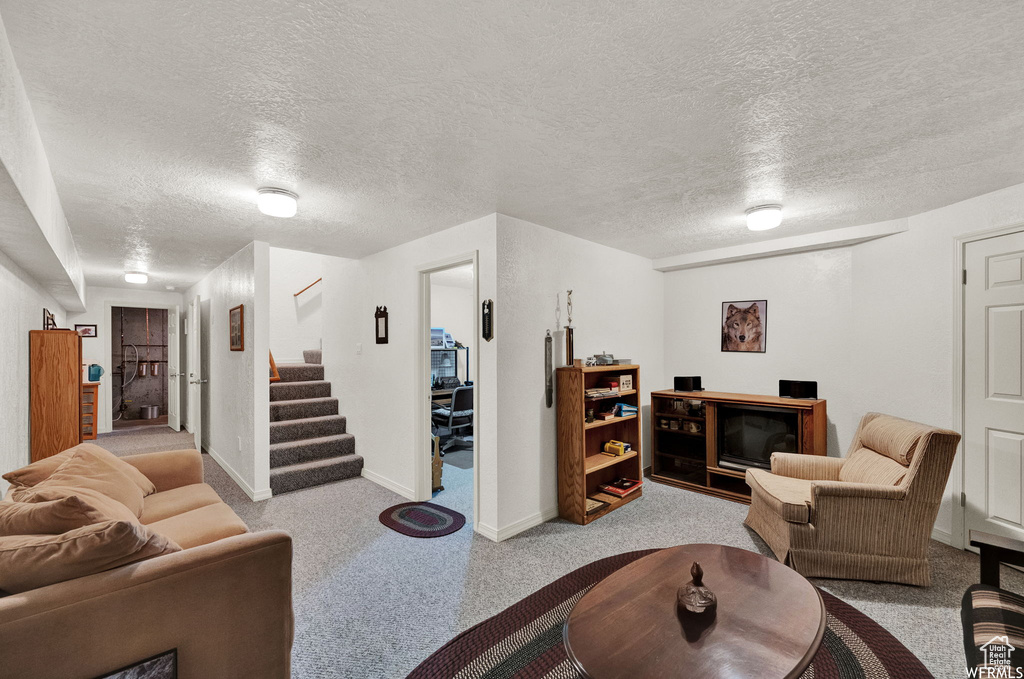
(764, 217)
(136, 277)
(277, 202)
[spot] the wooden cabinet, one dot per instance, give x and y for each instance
(90, 410)
(582, 466)
(687, 437)
(55, 391)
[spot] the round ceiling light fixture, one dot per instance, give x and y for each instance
(136, 277)
(764, 217)
(277, 202)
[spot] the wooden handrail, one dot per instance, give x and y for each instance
(307, 287)
(274, 375)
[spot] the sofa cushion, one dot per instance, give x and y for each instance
(111, 509)
(894, 437)
(163, 505)
(200, 526)
(85, 469)
(49, 517)
(42, 469)
(867, 466)
(988, 613)
(789, 497)
(31, 561)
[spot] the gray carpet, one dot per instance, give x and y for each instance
(370, 602)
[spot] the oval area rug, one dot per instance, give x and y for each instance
(422, 519)
(525, 640)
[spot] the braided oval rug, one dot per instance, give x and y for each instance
(525, 640)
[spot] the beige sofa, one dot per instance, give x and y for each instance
(224, 601)
(868, 516)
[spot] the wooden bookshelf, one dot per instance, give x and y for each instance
(582, 466)
(689, 459)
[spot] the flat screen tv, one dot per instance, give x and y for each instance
(748, 435)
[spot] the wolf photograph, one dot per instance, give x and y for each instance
(743, 325)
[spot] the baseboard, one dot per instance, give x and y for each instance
(407, 493)
(497, 535)
(942, 536)
(254, 495)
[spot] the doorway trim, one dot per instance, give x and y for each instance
(421, 387)
(958, 473)
(106, 386)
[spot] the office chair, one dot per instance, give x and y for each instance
(457, 418)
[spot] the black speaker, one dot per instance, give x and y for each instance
(688, 383)
(798, 389)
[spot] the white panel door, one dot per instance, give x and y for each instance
(173, 368)
(993, 442)
(195, 372)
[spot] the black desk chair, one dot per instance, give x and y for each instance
(457, 418)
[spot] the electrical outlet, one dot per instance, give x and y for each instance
(359, 348)
(239, 444)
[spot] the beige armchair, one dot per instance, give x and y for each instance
(867, 516)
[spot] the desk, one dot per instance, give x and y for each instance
(441, 396)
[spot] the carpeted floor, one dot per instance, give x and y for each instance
(372, 603)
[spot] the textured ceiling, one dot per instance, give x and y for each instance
(647, 126)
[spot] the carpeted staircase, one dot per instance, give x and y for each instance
(308, 442)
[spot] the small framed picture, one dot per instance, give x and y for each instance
(744, 325)
(86, 330)
(236, 328)
(626, 382)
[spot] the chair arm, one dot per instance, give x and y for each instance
(808, 467)
(995, 549)
(226, 607)
(169, 469)
(866, 491)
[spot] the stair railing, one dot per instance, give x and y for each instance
(307, 287)
(274, 375)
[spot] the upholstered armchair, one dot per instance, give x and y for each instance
(867, 516)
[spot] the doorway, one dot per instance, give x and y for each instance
(139, 352)
(449, 385)
(993, 385)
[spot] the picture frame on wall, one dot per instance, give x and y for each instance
(86, 330)
(236, 327)
(745, 326)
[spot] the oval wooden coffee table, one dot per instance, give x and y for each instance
(769, 622)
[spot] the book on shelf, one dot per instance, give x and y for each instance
(621, 487)
(594, 505)
(601, 392)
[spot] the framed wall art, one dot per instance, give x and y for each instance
(236, 328)
(86, 330)
(744, 325)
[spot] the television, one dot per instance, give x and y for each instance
(748, 435)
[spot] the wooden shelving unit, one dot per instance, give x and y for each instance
(689, 459)
(581, 465)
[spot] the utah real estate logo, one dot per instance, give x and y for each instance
(998, 661)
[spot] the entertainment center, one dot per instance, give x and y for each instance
(705, 440)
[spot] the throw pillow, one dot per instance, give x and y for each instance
(84, 469)
(41, 470)
(31, 561)
(50, 517)
(107, 508)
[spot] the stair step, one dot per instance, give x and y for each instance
(292, 391)
(314, 356)
(315, 473)
(307, 428)
(302, 408)
(309, 450)
(300, 372)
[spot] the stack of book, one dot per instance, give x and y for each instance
(601, 392)
(621, 487)
(625, 409)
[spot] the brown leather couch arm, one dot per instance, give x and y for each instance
(226, 607)
(808, 467)
(169, 469)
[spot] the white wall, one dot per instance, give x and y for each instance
(21, 310)
(236, 400)
(297, 321)
(379, 389)
(617, 308)
(873, 323)
(453, 309)
(97, 349)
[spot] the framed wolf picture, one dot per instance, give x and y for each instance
(744, 325)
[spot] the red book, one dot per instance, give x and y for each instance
(621, 487)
